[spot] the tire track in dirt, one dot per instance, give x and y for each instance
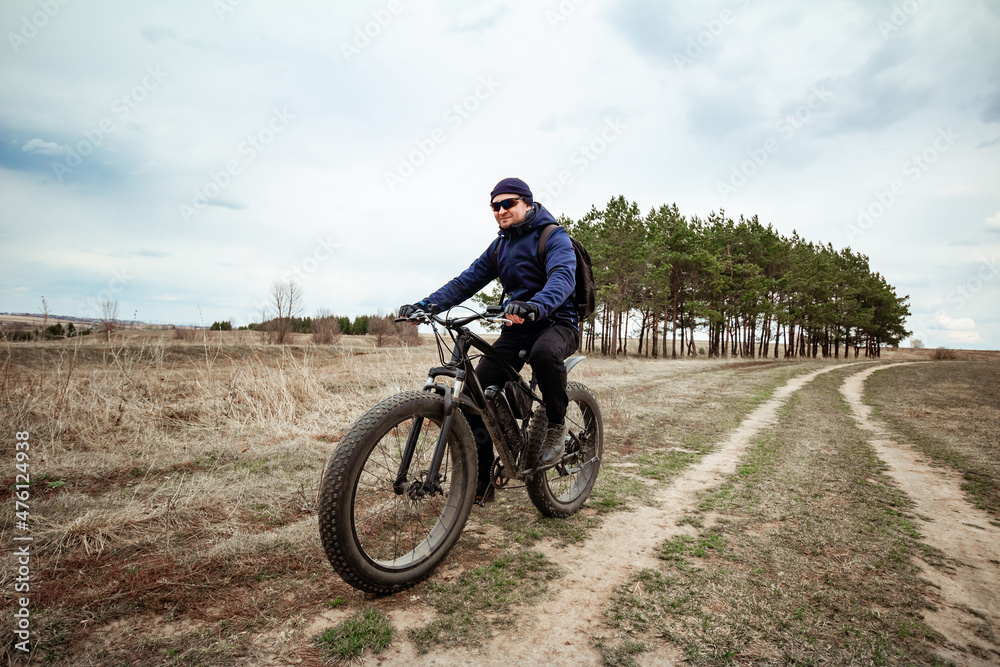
(558, 630)
(950, 523)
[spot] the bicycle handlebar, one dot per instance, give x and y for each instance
(424, 317)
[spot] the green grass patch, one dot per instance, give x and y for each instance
(368, 629)
(620, 655)
(526, 526)
(482, 599)
(614, 491)
(665, 465)
(680, 547)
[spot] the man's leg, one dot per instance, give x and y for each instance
(549, 351)
(507, 346)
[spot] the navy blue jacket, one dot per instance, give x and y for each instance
(521, 275)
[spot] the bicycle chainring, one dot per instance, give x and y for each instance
(498, 476)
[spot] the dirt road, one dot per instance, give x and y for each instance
(968, 588)
(561, 628)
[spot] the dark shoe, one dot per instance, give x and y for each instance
(552, 446)
(485, 494)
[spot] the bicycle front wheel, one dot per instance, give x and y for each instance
(561, 490)
(380, 533)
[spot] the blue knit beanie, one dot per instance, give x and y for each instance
(514, 186)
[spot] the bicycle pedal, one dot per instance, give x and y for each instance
(488, 495)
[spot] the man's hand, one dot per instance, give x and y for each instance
(519, 311)
(410, 308)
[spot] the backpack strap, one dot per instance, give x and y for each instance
(542, 239)
(496, 255)
(496, 265)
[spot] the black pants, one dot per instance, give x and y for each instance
(548, 346)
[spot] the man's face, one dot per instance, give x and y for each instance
(508, 217)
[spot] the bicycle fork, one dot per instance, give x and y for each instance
(431, 484)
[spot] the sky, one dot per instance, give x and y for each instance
(181, 156)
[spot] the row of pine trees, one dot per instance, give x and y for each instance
(662, 277)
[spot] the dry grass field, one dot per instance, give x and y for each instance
(172, 509)
(953, 415)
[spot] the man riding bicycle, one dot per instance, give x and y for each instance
(543, 319)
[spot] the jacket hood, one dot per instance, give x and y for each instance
(538, 215)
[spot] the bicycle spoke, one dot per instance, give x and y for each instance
(393, 528)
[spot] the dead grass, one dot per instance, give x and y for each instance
(174, 482)
(675, 416)
(950, 412)
(804, 556)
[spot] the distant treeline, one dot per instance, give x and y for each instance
(24, 333)
(304, 325)
(754, 292)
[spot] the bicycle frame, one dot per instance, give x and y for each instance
(469, 395)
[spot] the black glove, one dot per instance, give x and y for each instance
(528, 311)
(410, 308)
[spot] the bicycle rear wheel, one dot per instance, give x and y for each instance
(382, 537)
(561, 490)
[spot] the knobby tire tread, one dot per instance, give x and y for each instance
(335, 490)
(538, 489)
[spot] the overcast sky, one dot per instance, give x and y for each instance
(181, 156)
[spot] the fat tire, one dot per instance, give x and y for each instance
(539, 488)
(339, 491)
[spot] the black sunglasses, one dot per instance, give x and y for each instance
(504, 204)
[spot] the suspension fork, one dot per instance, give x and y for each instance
(431, 484)
(399, 486)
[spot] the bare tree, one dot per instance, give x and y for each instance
(45, 311)
(109, 313)
(407, 334)
(284, 305)
(384, 330)
(325, 328)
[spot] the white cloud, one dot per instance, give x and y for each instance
(957, 330)
(43, 147)
(324, 175)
